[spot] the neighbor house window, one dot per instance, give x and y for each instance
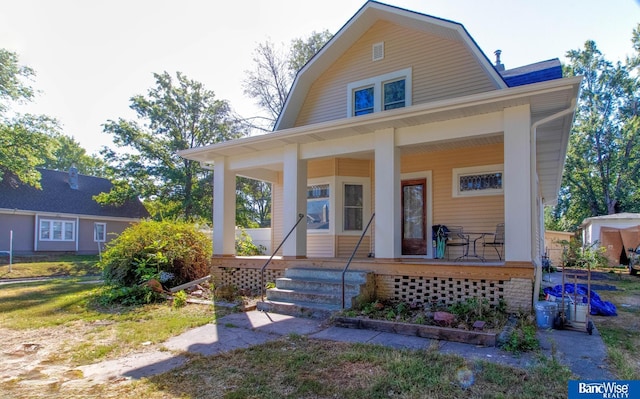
(353, 207)
(478, 180)
(318, 207)
(99, 232)
(379, 93)
(57, 230)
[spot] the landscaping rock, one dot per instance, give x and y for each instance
(444, 318)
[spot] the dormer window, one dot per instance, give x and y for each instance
(385, 92)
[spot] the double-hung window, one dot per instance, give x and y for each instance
(57, 230)
(353, 207)
(99, 232)
(379, 93)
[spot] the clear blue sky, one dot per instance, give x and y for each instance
(92, 56)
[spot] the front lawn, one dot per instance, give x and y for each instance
(49, 266)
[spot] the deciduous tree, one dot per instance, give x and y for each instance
(602, 170)
(176, 114)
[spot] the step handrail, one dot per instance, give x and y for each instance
(262, 289)
(344, 271)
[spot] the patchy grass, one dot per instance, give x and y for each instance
(621, 333)
(105, 332)
(50, 266)
(297, 367)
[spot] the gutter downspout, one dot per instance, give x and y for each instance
(534, 196)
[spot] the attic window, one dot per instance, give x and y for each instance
(379, 93)
(378, 51)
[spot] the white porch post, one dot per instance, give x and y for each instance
(387, 195)
(295, 202)
(518, 184)
(224, 208)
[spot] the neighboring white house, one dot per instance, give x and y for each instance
(617, 233)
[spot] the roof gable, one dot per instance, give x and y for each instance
(370, 14)
(57, 196)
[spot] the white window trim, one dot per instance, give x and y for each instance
(95, 232)
(365, 182)
(332, 203)
(377, 82)
(51, 221)
(473, 170)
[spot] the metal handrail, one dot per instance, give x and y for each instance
(262, 290)
(344, 271)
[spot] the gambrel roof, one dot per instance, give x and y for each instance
(370, 13)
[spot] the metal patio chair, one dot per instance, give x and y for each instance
(497, 242)
(457, 238)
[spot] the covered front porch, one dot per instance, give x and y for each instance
(409, 166)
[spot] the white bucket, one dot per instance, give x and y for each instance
(580, 315)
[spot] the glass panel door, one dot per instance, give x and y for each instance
(414, 237)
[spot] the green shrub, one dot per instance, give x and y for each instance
(179, 299)
(170, 251)
(128, 296)
(246, 247)
(523, 337)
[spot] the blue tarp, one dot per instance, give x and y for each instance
(598, 306)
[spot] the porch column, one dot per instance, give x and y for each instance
(295, 202)
(224, 208)
(518, 184)
(388, 243)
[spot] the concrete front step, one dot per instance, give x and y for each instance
(315, 284)
(317, 296)
(351, 276)
(318, 291)
(299, 309)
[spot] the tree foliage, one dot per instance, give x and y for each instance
(23, 139)
(253, 203)
(602, 170)
(12, 80)
(176, 114)
(274, 71)
(28, 142)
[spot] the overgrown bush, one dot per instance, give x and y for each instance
(172, 252)
(246, 247)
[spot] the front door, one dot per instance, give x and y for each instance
(414, 226)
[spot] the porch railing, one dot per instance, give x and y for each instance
(263, 288)
(344, 271)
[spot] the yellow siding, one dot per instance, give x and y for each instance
(346, 244)
(353, 167)
(321, 168)
(478, 213)
(320, 245)
(441, 69)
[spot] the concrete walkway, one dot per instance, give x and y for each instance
(584, 354)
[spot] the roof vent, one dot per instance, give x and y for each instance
(73, 177)
(499, 65)
(378, 51)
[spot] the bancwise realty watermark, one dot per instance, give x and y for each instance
(604, 389)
